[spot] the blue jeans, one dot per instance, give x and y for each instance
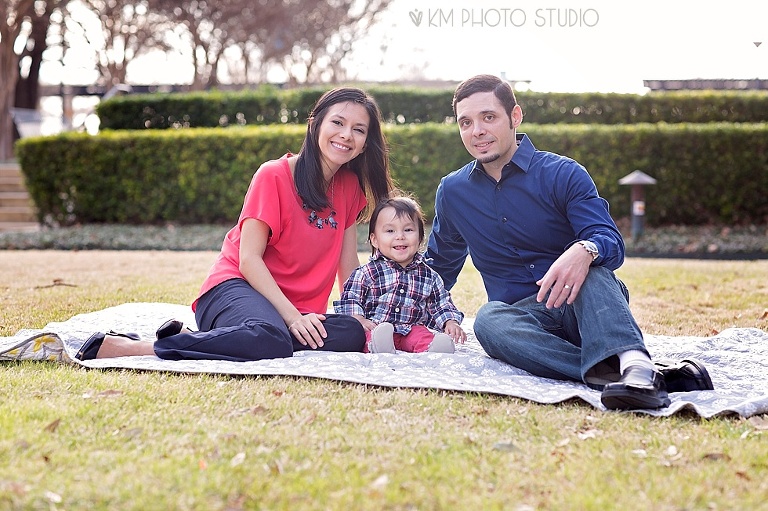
(573, 342)
(237, 323)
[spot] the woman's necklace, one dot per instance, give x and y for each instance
(317, 220)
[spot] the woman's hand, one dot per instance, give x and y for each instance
(308, 329)
(454, 331)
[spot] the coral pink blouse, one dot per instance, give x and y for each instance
(304, 247)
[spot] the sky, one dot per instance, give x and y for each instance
(574, 46)
(544, 45)
(555, 45)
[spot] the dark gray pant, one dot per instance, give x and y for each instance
(237, 323)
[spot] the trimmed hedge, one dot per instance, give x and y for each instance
(261, 106)
(707, 173)
(137, 177)
(267, 105)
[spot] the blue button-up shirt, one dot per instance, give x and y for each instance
(516, 228)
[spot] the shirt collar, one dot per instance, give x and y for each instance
(521, 159)
(417, 259)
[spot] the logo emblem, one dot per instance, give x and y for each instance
(416, 16)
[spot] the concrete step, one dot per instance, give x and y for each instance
(17, 199)
(12, 184)
(19, 227)
(15, 214)
(17, 211)
(9, 168)
(11, 178)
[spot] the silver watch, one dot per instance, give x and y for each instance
(591, 248)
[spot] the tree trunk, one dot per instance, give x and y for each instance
(28, 88)
(9, 64)
(9, 69)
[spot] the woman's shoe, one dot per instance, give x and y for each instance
(169, 328)
(91, 346)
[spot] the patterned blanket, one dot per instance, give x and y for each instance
(737, 360)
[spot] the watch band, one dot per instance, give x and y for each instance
(591, 248)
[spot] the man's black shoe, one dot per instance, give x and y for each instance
(638, 388)
(685, 376)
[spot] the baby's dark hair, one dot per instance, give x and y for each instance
(403, 206)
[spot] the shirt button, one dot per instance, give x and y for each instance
(402, 290)
(532, 266)
(504, 219)
(397, 309)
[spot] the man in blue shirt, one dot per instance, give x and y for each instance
(546, 247)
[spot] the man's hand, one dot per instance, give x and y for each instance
(565, 277)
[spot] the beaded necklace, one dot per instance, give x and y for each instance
(318, 221)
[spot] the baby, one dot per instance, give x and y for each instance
(397, 297)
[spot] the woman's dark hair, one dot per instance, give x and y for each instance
(371, 166)
(486, 83)
(403, 206)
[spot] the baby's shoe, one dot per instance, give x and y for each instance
(442, 343)
(382, 340)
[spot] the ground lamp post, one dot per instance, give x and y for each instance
(638, 180)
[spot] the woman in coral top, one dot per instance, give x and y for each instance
(267, 293)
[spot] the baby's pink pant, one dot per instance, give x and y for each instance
(417, 340)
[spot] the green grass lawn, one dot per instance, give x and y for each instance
(72, 438)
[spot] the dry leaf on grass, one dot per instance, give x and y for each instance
(110, 393)
(16, 487)
(716, 456)
(276, 467)
(105, 393)
(56, 282)
(504, 446)
(53, 498)
(237, 459)
(589, 433)
(133, 432)
(52, 426)
(758, 422)
(380, 482)
(254, 410)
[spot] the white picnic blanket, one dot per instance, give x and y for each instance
(737, 360)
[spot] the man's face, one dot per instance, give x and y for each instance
(487, 131)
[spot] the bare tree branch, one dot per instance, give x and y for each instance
(128, 29)
(323, 34)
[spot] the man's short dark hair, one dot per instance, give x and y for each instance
(486, 83)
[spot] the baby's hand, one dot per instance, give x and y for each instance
(454, 330)
(368, 325)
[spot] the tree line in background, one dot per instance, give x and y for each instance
(241, 40)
